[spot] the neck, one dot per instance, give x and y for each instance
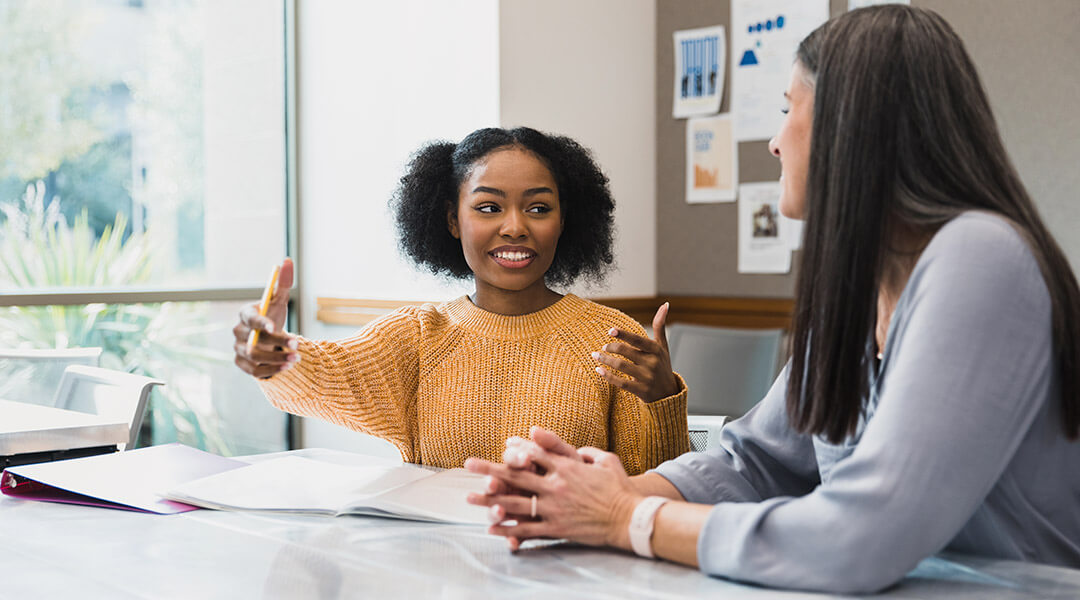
(513, 302)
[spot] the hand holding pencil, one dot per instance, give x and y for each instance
(263, 347)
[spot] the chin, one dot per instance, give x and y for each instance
(790, 209)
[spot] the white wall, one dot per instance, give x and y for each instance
(376, 80)
(587, 70)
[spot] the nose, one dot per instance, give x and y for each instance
(773, 148)
(513, 225)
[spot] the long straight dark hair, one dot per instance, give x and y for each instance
(903, 138)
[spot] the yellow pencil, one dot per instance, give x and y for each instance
(264, 306)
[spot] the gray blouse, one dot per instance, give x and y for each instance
(961, 445)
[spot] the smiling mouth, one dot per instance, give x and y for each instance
(513, 259)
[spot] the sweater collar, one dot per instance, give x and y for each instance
(488, 324)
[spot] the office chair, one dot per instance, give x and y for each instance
(113, 394)
(32, 376)
(727, 371)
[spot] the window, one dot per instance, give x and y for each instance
(143, 194)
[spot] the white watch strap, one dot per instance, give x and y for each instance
(641, 525)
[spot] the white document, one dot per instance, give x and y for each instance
(712, 168)
(303, 485)
(764, 246)
(699, 71)
(764, 37)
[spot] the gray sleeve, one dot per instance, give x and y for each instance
(967, 366)
(759, 456)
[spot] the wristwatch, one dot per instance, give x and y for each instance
(641, 525)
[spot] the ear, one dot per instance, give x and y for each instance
(452, 223)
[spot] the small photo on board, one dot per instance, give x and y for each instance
(766, 222)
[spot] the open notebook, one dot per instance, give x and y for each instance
(303, 485)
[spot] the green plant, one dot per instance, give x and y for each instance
(38, 249)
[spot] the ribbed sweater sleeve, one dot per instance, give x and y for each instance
(367, 382)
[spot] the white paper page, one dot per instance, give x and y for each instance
(294, 484)
(764, 37)
(763, 245)
(699, 71)
(440, 497)
(712, 168)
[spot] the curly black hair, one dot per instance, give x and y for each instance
(428, 192)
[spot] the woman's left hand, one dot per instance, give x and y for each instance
(646, 360)
(586, 498)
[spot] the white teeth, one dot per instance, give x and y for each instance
(514, 256)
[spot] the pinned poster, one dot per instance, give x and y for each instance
(700, 56)
(764, 242)
(711, 160)
(764, 37)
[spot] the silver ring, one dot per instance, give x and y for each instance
(532, 512)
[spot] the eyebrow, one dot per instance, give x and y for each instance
(481, 189)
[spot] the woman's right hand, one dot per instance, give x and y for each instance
(549, 489)
(276, 349)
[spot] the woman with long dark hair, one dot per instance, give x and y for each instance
(932, 400)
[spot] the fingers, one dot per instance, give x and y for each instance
(275, 350)
(639, 370)
(637, 341)
(521, 479)
(522, 531)
(505, 508)
(624, 350)
(636, 388)
(280, 298)
(526, 455)
(659, 324)
(597, 456)
(550, 441)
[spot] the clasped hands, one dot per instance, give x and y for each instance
(582, 494)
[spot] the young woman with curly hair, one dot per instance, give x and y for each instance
(518, 211)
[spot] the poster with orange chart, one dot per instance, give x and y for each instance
(711, 160)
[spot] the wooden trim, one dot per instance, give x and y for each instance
(745, 313)
(718, 311)
(357, 311)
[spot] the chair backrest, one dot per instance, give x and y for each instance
(113, 394)
(32, 376)
(727, 371)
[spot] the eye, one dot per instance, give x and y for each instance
(539, 209)
(785, 110)
(487, 208)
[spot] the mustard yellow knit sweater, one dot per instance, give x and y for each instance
(446, 382)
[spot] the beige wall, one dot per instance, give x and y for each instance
(1027, 54)
(585, 69)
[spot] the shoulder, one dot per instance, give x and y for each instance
(979, 257)
(603, 318)
(977, 237)
(411, 319)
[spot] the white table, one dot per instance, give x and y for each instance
(29, 428)
(66, 551)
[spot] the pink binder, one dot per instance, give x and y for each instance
(131, 480)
